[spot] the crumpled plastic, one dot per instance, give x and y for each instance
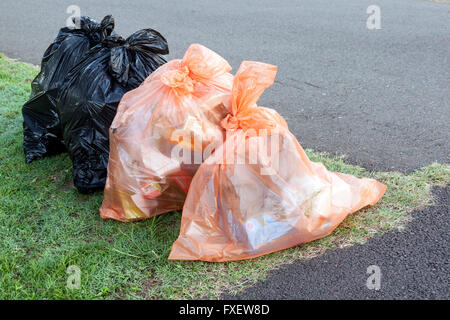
(90, 96)
(42, 128)
(259, 193)
(161, 132)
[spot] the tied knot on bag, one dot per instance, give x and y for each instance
(179, 79)
(249, 83)
(199, 66)
(230, 122)
(97, 32)
(134, 58)
(254, 118)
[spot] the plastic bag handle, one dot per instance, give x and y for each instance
(143, 42)
(147, 40)
(107, 25)
(96, 31)
(249, 83)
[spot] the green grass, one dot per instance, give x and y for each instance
(46, 226)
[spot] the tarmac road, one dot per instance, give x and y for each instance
(381, 97)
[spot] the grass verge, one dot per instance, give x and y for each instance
(46, 226)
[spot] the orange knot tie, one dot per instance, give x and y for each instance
(179, 79)
(230, 122)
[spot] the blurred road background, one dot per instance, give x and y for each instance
(381, 97)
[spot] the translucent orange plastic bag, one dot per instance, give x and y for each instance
(246, 200)
(159, 133)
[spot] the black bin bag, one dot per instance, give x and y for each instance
(89, 99)
(42, 132)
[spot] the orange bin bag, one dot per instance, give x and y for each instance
(259, 193)
(159, 134)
